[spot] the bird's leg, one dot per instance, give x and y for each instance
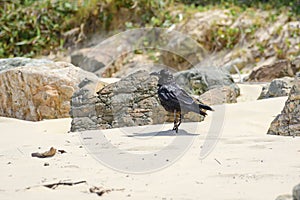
(177, 125)
(179, 122)
(175, 120)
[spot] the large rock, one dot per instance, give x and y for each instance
(288, 122)
(33, 89)
(247, 40)
(202, 79)
(109, 56)
(296, 192)
(277, 88)
(284, 197)
(132, 64)
(104, 59)
(11, 63)
(88, 60)
(132, 101)
(202, 26)
(279, 69)
(182, 52)
(294, 196)
(219, 95)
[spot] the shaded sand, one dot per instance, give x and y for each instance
(245, 164)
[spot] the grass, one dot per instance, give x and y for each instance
(36, 27)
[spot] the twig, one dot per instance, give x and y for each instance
(55, 185)
(218, 162)
(45, 154)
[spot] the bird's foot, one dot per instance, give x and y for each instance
(175, 128)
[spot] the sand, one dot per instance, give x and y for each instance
(245, 164)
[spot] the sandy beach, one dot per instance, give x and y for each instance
(245, 164)
(172, 88)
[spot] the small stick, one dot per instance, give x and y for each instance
(218, 161)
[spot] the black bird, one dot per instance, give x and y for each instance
(174, 99)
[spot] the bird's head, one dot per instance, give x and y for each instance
(164, 76)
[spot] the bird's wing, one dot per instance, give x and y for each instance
(182, 96)
(185, 98)
(174, 94)
(165, 93)
(175, 97)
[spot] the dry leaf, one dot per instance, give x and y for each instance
(46, 154)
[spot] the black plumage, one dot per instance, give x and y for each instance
(174, 99)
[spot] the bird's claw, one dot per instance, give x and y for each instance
(175, 128)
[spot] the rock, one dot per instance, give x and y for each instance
(106, 59)
(132, 101)
(282, 42)
(242, 38)
(132, 64)
(6, 64)
(33, 89)
(219, 95)
(296, 192)
(296, 63)
(88, 60)
(284, 197)
(184, 52)
(288, 122)
(276, 40)
(109, 56)
(103, 58)
(83, 109)
(295, 196)
(277, 88)
(279, 69)
(200, 80)
(202, 25)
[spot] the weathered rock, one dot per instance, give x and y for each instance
(284, 197)
(184, 52)
(296, 192)
(134, 63)
(88, 60)
(288, 122)
(279, 69)
(296, 63)
(33, 89)
(132, 101)
(202, 79)
(277, 88)
(202, 25)
(219, 95)
(107, 54)
(107, 58)
(10, 63)
(277, 40)
(253, 40)
(295, 196)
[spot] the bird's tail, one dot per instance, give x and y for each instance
(204, 107)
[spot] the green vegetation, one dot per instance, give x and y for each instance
(293, 5)
(37, 27)
(31, 27)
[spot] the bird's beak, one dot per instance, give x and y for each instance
(155, 74)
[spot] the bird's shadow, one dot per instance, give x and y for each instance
(163, 133)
